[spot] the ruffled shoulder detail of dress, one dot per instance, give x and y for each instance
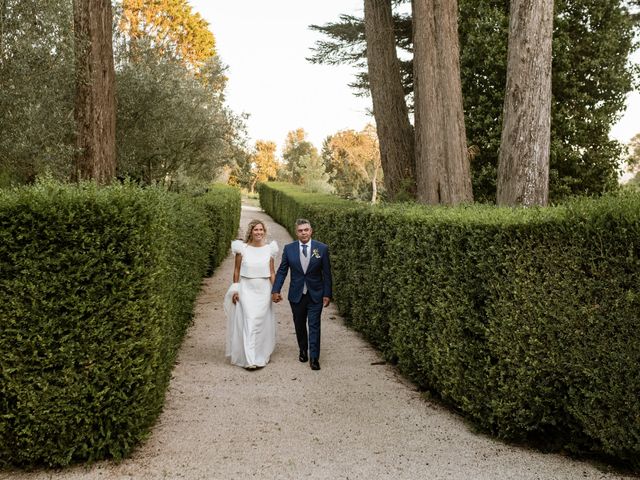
(273, 248)
(238, 246)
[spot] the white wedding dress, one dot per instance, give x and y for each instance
(251, 326)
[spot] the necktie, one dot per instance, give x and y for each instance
(304, 250)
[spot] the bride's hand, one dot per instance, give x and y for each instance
(235, 298)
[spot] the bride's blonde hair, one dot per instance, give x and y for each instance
(252, 224)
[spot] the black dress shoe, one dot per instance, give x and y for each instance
(303, 356)
(315, 364)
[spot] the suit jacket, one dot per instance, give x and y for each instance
(317, 276)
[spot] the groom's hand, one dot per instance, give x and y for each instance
(326, 301)
(276, 297)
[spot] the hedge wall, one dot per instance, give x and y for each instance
(526, 320)
(276, 199)
(97, 287)
(222, 205)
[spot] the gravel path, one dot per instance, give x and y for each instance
(354, 419)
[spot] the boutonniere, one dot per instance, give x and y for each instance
(315, 253)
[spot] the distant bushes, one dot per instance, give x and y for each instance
(524, 319)
(97, 287)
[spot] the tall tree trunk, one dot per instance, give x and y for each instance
(390, 111)
(523, 161)
(442, 164)
(95, 112)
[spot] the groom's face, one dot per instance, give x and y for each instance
(303, 232)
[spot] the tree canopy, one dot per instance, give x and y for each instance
(353, 163)
(172, 25)
(296, 146)
(36, 89)
(264, 164)
(590, 79)
(172, 123)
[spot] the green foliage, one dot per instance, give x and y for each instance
(97, 290)
(523, 319)
(315, 178)
(593, 40)
(241, 173)
(222, 205)
(36, 90)
(172, 123)
(286, 202)
(353, 161)
(633, 160)
(347, 45)
(296, 148)
(484, 29)
(251, 168)
(173, 27)
(591, 78)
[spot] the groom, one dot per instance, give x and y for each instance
(309, 288)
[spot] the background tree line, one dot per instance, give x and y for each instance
(172, 125)
(347, 165)
(590, 76)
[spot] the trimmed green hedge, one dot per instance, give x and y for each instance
(526, 320)
(97, 287)
(222, 205)
(276, 199)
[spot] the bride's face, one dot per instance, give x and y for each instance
(257, 233)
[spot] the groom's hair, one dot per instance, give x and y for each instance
(302, 221)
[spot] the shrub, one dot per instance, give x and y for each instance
(222, 205)
(97, 287)
(526, 320)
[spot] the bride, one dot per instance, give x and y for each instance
(251, 327)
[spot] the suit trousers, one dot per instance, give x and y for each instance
(303, 311)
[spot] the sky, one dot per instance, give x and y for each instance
(265, 45)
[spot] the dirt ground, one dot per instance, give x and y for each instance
(356, 418)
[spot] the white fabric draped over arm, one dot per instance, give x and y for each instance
(230, 311)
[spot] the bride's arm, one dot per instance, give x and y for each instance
(236, 268)
(272, 270)
(236, 277)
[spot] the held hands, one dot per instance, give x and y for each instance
(235, 298)
(276, 298)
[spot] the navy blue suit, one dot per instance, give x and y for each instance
(308, 306)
